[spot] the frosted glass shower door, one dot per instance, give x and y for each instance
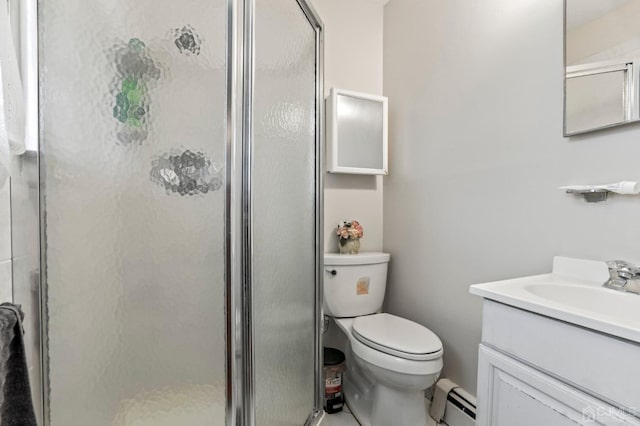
(133, 106)
(284, 213)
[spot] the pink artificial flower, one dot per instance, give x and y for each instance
(348, 230)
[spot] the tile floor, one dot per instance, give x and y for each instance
(343, 418)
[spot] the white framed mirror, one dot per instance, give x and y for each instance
(357, 133)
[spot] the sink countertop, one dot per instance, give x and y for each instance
(573, 293)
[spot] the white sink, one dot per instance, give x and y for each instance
(573, 292)
(596, 300)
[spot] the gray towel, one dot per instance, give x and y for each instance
(16, 405)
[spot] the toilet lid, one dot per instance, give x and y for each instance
(397, 336)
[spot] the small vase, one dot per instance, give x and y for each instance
(349, 245)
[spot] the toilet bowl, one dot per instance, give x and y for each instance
(385, 381)
(391, 361)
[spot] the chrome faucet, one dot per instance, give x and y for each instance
(623, 276)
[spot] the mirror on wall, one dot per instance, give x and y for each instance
(602, 64)
(356, 133)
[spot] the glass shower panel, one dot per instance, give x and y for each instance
(283, 184)
(133, 107)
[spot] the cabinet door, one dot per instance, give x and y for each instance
(513, 394)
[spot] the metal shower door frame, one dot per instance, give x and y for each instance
(240, 330)
(240, 409)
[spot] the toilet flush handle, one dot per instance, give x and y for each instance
(331, 271)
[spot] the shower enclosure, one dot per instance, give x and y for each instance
(170, 211)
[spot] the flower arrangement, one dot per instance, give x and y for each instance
(348, 230)
(349, 234)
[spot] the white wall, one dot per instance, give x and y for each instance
(5, 245)
(477, 152)
(353, 60)
(5, 195)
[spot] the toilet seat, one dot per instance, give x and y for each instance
(385, 360)
(397, 336)
(392, 362)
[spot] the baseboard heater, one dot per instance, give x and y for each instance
(461, 409)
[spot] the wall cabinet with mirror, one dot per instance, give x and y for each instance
(602, 64)
(356, 133)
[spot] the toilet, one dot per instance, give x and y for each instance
(391, 361)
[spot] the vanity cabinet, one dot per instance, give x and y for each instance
(535, 371)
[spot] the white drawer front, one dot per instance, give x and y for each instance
(513, 394)
(606, 367)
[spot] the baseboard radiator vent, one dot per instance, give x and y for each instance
(461, 408)
(451, 405)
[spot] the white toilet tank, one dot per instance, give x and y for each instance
(354, 284)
